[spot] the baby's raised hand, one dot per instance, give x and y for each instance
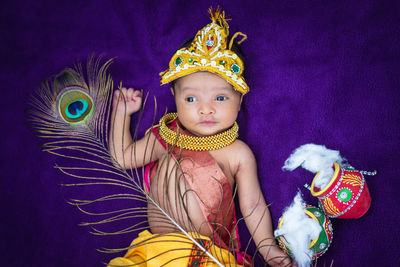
(127, 101)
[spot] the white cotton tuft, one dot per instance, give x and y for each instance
(299, 230)
(315, 158)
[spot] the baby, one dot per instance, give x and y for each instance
(195, 163)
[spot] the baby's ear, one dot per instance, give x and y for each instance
(241, 99)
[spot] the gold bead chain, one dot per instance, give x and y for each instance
(212, 142)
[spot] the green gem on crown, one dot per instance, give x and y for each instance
(178, 61)
(222, 62)
(235, 68)
(190, 60)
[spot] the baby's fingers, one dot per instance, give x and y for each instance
(129, 93)
(125, 94)
(133, 95)
(137, 95)
(120, 94)
(116, 93)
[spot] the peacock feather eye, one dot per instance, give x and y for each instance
(76, 108)
(74, 104)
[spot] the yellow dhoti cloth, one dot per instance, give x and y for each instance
(172, 249)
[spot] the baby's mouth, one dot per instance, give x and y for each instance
(208, 122)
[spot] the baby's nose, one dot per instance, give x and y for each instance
(206, 109)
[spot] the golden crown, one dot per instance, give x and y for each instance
(209, 51)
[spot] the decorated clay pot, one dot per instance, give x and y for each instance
(346, 196)
(319, 245)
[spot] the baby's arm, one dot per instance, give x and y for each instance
(127, 153)
(255, 210)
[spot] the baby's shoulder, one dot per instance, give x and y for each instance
(240, 147)
(240, 158)
(240, 153)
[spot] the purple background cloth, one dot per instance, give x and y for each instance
(324, 72)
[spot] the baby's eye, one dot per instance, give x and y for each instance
(221, 98)
(190, 99)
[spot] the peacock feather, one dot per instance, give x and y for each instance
(72, 112)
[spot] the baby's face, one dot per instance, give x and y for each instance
(206, 103)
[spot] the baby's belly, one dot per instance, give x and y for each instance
(173, 203)
(167, 221)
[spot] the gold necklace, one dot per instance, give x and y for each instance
(212, 142)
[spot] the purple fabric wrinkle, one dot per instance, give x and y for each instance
(322, 72)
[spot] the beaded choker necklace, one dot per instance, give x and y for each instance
(181, 140)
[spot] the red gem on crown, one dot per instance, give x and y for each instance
(210, 42)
